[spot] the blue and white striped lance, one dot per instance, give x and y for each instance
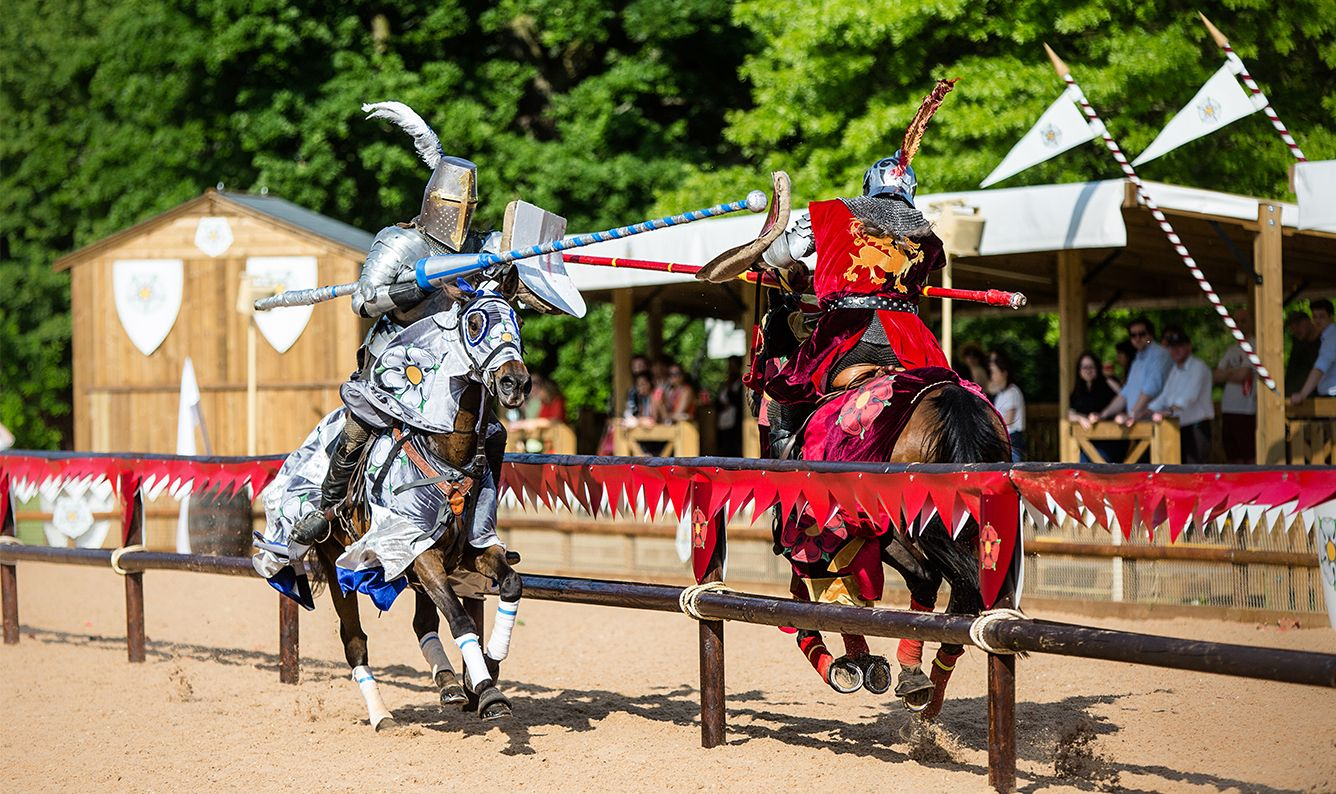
(434, 270)
(451, 266)
(304, 297)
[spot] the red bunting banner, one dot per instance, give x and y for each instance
(704, 491)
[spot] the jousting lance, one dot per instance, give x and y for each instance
(1182, 250)
(992, 297)
(433, 271)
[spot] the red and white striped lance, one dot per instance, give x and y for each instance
(1236, 66)
(1159, 217)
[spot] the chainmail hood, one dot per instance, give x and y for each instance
(882, 216)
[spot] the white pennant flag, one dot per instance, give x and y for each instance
(1315, 185)
(1062, 127)
(1221, 101)
(188, 417)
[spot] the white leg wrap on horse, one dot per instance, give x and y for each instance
(375, 707)
(473, 661)
(498, 645)
(434, 652)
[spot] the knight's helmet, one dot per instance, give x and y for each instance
(452, 192)
(449, 201)
(892, 176)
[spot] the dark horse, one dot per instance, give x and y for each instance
(477, 329)
(878, 412)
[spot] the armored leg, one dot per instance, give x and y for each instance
(342, 461)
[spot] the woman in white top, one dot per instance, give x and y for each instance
(1008, 401)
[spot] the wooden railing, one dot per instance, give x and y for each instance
(552, 438)
(1148, 442)
(1310, 432)
(678, 440)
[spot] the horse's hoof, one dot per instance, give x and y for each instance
(451, 690)
(492, 705)
(876, 673)
(386, 724)
(470, 702)
(915, 688)
(493, 668)
(845, 676)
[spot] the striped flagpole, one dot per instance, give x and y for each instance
(1236, 66)
(1159, 217)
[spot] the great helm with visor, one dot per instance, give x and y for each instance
(449, 201)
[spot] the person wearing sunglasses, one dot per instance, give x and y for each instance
(1145, 380)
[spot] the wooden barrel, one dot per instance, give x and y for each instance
(220, 523)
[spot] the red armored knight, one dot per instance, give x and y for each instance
(873, 256)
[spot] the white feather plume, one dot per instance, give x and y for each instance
(424, 138)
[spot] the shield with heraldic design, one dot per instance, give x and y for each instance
(213, 236)
(544, 283)
(148, 299)
(282, 327)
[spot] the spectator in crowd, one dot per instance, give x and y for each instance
(1092, 394)
(728, 412)
(1145, 378)
(639, 366)
(972, 364)
(1322, 377)
(1238, 402)
(1124, 353)
(1304, 342)
(1187, 397)
(1008, 401)
(639, 409)
(676, 400)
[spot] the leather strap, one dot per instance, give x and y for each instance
(879, 302)
(852, 377)
(456, 492)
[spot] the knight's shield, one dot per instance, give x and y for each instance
(544, 283)
(148, 298)
(282, 327)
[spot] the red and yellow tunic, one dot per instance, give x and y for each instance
(851, 262)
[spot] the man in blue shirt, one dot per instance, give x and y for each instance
(1145, 380)
(1322, 379)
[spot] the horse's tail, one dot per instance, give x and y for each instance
(968, 429)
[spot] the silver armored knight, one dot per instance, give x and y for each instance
(387, 289)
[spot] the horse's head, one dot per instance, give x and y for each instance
(489, 333)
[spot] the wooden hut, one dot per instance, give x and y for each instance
(146, 298)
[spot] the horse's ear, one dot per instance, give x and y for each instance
(509, 284)
(460, 291)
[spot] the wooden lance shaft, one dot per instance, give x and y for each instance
(1241, 71)
(992, 297)
(1093, 118)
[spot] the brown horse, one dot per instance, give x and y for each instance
(881, 413)
(484, 324)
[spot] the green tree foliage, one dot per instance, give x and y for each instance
(600, 109)
(119, 110)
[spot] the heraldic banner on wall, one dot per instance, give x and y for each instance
(282, 327)
(148, 299)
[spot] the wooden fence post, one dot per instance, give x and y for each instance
(9, 581)
(1002, 721)
(713, 727)
(1001, 509)
(289, 649)
(134, 587)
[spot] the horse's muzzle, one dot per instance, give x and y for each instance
(512, 387)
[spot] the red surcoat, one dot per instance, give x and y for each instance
(852, 262)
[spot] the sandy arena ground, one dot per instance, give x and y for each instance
(605, 700)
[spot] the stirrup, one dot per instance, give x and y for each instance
(311, 529)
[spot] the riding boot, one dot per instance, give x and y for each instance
(314, 526)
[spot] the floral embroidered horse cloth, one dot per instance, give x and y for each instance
(838, 558)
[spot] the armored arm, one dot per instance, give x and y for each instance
(388, 281)
(792, 245)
